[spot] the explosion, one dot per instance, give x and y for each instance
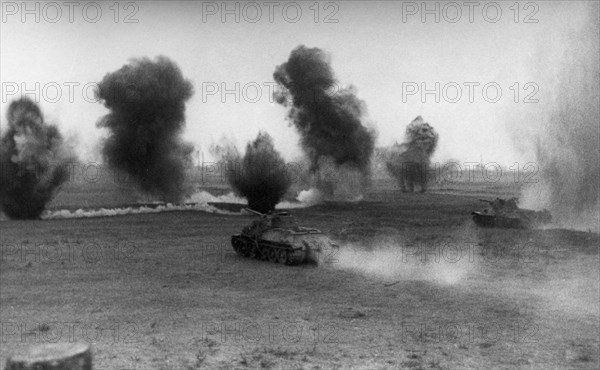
(260, 176)
(330, 125)
(146, 100)
(409, 162)
(34, 161)
(568, 148)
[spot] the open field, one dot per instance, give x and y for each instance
(166, 291)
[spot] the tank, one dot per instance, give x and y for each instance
(506, 213)
(276, 237)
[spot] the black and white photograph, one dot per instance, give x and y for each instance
(301, 185)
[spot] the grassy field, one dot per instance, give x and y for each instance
(414, 285)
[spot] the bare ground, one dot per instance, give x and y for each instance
(165, 291)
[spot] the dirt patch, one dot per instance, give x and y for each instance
(167, 291)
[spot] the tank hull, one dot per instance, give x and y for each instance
(260, 249)
(293, 250)
(278, 238)
(485, 220)
(524, 219)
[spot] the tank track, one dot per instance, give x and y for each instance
(499, 221)
(248, 247)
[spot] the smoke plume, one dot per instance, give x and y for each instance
(409, 162)
(568, 149)
(260, 176)
(146, 100)
(34, 161)
(330, 123)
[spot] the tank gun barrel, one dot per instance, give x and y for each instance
(485, 200)
(254, 212)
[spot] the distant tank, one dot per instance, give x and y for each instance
(276, 237)
(506, 213)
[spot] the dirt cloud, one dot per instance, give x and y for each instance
(260, 175)
(34, 161)
(146, 100)
(329, 119)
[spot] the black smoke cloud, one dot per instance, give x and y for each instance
(34, 161)
(146, 100)
(409, 162)
(329, 121)
(260, 176)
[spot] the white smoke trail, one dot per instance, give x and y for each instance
(206, 197)
(303, 200)
(108, 212)
(306, 198)
(198, 202)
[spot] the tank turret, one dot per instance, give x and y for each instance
(276, 237)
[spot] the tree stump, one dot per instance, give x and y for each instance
(54, 356)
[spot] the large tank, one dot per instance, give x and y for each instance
(506, 213)
(276, 237)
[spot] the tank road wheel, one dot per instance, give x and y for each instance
(258, 251)
(263, 253)
(295, 257)
(241, 248)
(238, 246)
(272, 254)
(253, 251)
(282, 256)
(246, 249)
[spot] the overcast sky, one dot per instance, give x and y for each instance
(374, 46)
